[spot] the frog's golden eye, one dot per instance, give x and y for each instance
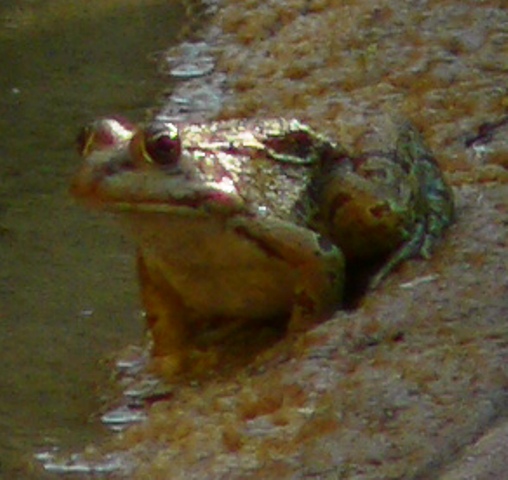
(162, 144)
(104, 134)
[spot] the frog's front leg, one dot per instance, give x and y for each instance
(319, 266)
(166, 315)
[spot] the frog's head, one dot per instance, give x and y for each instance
(150, 169)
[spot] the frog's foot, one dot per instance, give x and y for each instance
(168, 367)
(191, 363)
(410, 249)
(434, 205)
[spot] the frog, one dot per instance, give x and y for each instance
(255, 221)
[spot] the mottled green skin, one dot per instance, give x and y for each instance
(248, 220)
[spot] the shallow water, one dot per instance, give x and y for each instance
(68, 296)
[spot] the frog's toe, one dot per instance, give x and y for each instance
(193, 364)
(168, 367)
(413, 248)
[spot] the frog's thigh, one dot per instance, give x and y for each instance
(166, 316)
(319, 265)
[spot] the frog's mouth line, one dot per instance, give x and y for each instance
(187, 207)
(134, 192)
(197, 206)
(165, 208)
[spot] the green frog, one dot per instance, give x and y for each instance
(256, 220)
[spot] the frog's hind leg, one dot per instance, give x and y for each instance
(317, 264)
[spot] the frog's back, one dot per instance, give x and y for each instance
(271, 162)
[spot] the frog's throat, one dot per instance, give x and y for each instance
(168, 209)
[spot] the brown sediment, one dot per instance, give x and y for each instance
(396, 388)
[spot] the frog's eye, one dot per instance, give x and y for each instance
(162, 144)
(104, 134)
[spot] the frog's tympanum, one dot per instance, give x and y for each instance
(256, 220)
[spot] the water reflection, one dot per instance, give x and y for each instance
(67, 291)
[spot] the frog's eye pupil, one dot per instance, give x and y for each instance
(164, 150)
(162, 144)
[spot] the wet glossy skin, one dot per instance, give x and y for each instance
(247, 221)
